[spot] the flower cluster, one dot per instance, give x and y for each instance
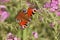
(53, 6)
(3, 13)
(35, 34)
(10, 36)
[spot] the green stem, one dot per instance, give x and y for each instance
(21, 34)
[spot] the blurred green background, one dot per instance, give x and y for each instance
(39, 23)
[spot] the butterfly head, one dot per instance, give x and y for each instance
(24, 10)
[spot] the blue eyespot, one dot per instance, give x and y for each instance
(24, 10)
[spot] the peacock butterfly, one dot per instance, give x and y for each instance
(24, 16)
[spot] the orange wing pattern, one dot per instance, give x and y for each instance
(29, 12)
(23, 18)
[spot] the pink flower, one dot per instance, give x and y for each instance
(2, 6)
(35, 34)
(4, 1)
(3, 13)
(52, 9)
(10, 36)
(15, 38)
(54, 1)
(47, 5)
(58, 13)
(59, 2)
(53, 5)
(4, 16)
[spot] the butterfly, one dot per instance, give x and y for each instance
(24, 16)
